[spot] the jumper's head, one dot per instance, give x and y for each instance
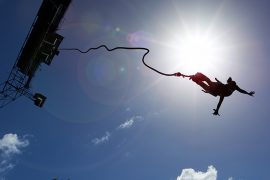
(229, 80)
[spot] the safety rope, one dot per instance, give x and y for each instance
(178, 74)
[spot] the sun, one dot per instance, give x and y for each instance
(197, 51)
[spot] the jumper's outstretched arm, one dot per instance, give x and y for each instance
(218, 105)
(251, 93)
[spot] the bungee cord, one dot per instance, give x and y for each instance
(178, 74)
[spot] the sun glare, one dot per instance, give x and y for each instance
(197, 51)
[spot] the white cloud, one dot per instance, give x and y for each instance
(129, 122)
(126, 124)
(5, 165)
(10, 144)
(191, 174)
(102, 139)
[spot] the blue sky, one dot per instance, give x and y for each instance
(107, 116)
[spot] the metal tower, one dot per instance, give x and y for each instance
(40, 46)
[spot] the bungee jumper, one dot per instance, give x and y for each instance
(216, 88)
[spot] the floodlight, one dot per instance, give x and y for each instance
(39, 99)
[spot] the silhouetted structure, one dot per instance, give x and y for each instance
(40, 46)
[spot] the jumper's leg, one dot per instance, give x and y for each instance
(200, 79)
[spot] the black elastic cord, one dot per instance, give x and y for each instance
(127, 48)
